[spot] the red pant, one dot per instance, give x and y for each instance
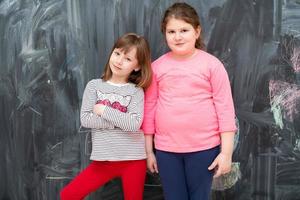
(132, 173)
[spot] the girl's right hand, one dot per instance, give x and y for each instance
(98, 109)
(151, 163)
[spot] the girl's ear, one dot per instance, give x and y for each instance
(137, 69)
(198, 31)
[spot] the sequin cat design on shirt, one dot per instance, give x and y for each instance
(113, 100)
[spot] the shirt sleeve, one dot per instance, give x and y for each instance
(222, 98)
(151, 96)
(132, 119)
(87, 117)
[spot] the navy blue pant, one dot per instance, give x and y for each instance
(184, 176)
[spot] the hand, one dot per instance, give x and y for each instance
(99, 109)
(151, 163)
(221, 165)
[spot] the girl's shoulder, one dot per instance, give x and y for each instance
(209, 58)
(208, 62)
(160, 60)
(136, 88)
(95, 82)
(160, 63)
(130, 89)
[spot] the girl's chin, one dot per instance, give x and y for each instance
(182, 54)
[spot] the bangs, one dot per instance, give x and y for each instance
(126, 44)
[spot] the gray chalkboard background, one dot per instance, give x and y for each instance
(49, 49)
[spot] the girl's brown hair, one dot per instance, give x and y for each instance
(141, 78)
(187, 13)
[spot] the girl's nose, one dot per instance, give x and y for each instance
(178, 36)
(120, 59)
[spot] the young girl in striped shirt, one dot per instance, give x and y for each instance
(113, 108)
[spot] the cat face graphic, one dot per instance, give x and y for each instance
(113, 100)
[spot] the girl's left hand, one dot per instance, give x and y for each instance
(221, 164)
(99, 109)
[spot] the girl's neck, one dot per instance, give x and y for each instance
(117, 80)
(182, 57)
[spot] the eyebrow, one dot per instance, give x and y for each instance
(129, 56)
(179, 28)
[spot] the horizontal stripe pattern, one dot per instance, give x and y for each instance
(115, 135)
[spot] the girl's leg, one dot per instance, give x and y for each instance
(89, 180)
(172, 175)
(199, 178)
(133, 179)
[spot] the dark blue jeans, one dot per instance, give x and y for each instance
(184, 176)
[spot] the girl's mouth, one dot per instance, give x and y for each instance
(118, 68)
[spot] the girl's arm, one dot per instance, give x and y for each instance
(129, 121)
(222, 98)
(227, 142)
(226, 118)
(87, 117)
(222, 163)
(151, 96)
(151, 160)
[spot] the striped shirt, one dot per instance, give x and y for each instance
(116, 134)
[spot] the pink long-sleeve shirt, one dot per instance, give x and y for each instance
(189, 103)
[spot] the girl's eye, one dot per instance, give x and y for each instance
(184, 30)
(116, 53)
(171, 32)
(128, 59)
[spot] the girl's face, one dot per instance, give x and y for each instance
(122, 64)
(181, 38)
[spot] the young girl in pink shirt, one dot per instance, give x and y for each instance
(188, 111)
